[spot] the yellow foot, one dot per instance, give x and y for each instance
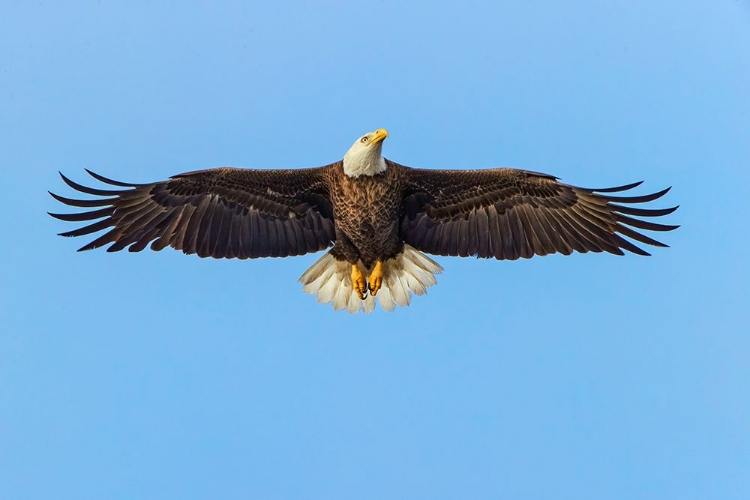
(376, 278)
(358, 282)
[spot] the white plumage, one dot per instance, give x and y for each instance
(411, 272)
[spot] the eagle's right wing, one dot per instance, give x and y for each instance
(221, 213)
(506, 214)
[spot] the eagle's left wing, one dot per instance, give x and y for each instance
(506, 214)
(221, 213)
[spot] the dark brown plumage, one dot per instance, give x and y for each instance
(234, 213)
(228, 213)
(507, 214)
(221, 213)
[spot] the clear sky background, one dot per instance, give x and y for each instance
(160, 375)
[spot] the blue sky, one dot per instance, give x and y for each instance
(159, 375)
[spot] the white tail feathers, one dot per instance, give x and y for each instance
(410, 272)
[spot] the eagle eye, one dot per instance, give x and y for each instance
(364, 139)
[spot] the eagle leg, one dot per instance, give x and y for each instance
(376, 278)
(358, 282)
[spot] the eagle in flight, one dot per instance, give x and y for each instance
(380, 217)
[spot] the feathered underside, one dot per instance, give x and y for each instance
(507, 213)
(238, 213)
(218, 213)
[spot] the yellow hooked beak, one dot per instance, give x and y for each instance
(379, 136)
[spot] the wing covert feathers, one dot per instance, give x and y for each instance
(508, 213)
(221, 213)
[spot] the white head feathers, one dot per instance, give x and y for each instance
(364, 157)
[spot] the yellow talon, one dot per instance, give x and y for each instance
(376, 278)
(358, 282)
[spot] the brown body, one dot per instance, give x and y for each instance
(367, 214)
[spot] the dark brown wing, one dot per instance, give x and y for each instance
(224, 212)
(507, 213)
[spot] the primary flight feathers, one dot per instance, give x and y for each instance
(378, 215)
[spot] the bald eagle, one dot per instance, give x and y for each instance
(380, 217)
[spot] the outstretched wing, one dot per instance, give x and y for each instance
(222, 213)
(507, 213)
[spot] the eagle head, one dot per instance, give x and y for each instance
(364, 157)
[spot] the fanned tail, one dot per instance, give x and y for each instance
(410, 272)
